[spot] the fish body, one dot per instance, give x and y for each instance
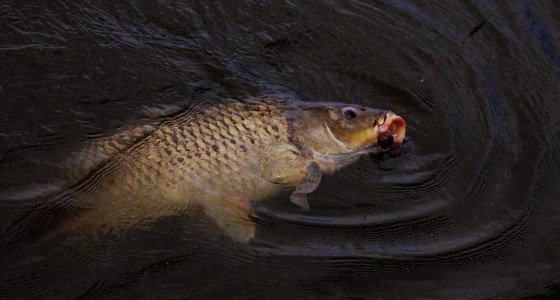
(224, 156)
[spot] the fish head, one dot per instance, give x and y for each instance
(339, 128)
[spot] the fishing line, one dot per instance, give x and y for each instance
(442, 59)
(410, 89)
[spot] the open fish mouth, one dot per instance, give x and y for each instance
(389, 130)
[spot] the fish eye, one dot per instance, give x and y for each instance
(349, 113)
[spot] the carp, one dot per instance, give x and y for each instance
(221, 157)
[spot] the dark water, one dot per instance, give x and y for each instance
(470, 209)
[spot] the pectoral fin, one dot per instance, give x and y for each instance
(308, 185)
(283, 165)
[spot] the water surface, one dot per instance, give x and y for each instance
(469, 209)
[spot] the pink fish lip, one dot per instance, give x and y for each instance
(390, 131)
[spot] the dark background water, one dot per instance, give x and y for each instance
(469, 210)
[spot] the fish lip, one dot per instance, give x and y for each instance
(389, 124)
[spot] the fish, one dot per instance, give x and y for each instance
(222, 157)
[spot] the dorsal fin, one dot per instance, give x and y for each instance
(96, 151)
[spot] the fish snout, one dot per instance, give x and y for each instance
(391, 130)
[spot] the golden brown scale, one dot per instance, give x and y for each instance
(211, 158)
(222, 157)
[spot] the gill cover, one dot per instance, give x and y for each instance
(335, 128)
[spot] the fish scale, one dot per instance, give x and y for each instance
(208, 142)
